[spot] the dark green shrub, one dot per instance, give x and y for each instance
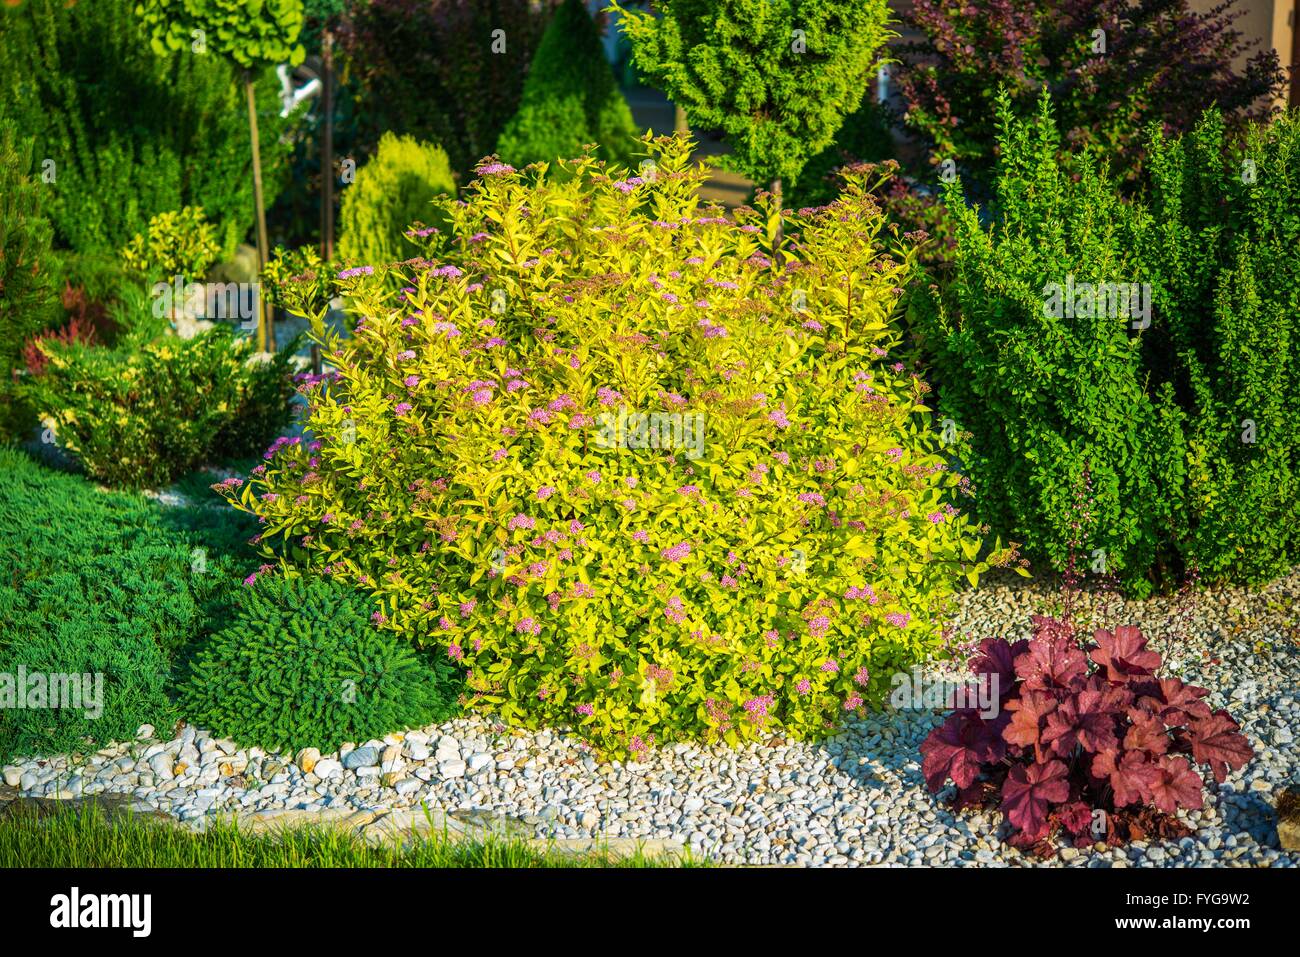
(130, 133)
(143, 413)
(1047, 398)
(392, 191)
(28, 297)
(103, 582)
(570, 98)
(1182, 416)
(51, 632)
(302, 666)
(1229, 258)
(436, 69)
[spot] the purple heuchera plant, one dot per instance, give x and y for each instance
(1081, 728)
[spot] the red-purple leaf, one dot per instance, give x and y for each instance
(1176, 703)
(1176, 784)
(1027, 715)
(1079, 720)
(1215, 742)
(1131, 776)
(997, 657)
(1052, 664)
(1076, 817)
(1124, 654)
(1147, 733)
(1027, 793)
(957, 748)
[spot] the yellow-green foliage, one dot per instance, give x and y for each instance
(782, 546)
(181, 243)
(391, 193)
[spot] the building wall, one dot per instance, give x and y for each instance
(1271, 22)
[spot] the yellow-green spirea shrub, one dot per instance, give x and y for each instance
(459, 460)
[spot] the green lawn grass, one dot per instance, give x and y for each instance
(85, 837)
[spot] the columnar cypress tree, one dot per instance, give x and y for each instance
(570, 97)
(776, 76)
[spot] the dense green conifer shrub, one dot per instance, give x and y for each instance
(1152, 344)
(570, 98)
(303, 666)
(122, 133)
(100, 582)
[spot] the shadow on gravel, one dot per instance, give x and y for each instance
(1251, 814)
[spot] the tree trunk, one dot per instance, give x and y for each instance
(327, 147)
(326, 165)
(265, 329)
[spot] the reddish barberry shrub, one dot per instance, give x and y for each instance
(1111, 66)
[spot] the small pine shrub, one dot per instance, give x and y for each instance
(302, 666)
(1045, 391)
(180, 243)
(1078, 728)
(632, 475)
(391, 193)
(102, 582)
(570, 98)
(140, 415)
(28, 301)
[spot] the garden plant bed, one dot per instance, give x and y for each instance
(887, 459)
(856, 799)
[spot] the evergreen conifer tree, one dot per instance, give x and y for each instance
(570, 98)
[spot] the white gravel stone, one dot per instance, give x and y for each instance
(857, 799)
(452, 769)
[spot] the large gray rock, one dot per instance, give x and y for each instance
(365, 757)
